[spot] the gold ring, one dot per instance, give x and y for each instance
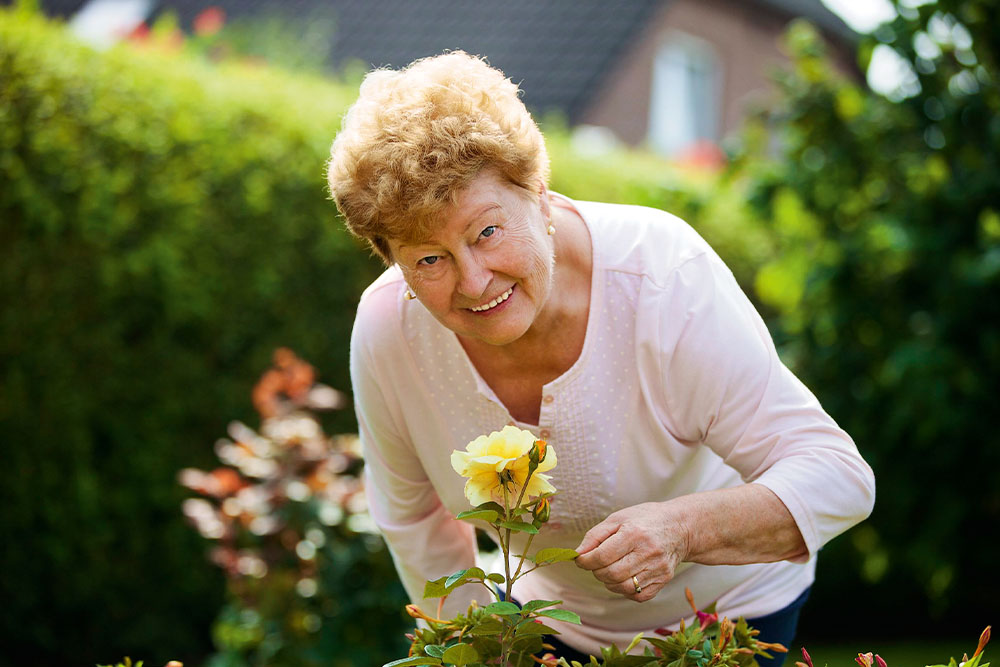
(635, 582)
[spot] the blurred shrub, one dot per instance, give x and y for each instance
(293, 535)
(714, 206)
(163, 227)
(887, 280)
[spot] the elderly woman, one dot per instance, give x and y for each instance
(689, 456)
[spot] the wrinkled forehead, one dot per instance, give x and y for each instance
(420, 226)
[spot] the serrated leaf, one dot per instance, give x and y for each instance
(454, 580)
(519, 526)
(527, 644)
(488, 626)
(415, 660)
(560, 615)
(502, 608)
(491, 505)
(436, 588)
(460, 654)
(489, 516)
(532, 605)
(554, 555)
(534, 628)
(436, 650)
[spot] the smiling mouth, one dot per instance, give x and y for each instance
(494, 303)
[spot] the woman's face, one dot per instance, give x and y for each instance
(486, 272)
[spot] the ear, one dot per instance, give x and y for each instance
(543, 198)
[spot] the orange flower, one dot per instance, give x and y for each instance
(984, 639)
(416, 612)
(542, 511)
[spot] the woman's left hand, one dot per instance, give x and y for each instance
(744, 524)
(645, 541)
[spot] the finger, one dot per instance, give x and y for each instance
(622, 569)
(598, 534)
(626, 589)
(613, 549)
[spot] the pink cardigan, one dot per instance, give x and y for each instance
(678, 389)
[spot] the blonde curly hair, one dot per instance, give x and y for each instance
(416, 137)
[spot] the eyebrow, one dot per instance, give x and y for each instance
(472, 220)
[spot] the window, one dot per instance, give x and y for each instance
(104, 22)
(684, 103)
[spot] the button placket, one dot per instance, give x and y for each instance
(545, 416)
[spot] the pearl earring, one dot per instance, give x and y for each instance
(551, 230)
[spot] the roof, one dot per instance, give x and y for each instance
(558, 50)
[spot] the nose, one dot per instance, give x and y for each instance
(473, 277)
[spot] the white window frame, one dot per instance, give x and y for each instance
(686, 93)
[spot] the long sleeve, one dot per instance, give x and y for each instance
(425, 540)
(726, 388)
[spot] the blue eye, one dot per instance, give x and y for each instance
(427, 261)
(488, 232)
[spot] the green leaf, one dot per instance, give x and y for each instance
(532, 605)
(415, 660)
(490, 505)
(560, 615)
(527, 644)
(436, 650)
(436, 588)
(460, 654)
(519, 526)
(454, 580)
(489, 516)
(631, 661)
(445, 585)
(496, 577)
(487, 627)
(554, 555)
(502, 608)
(534, 628)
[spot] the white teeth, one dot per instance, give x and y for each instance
(493, 304)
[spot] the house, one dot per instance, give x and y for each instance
(661, 73)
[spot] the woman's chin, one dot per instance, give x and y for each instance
(498, 330)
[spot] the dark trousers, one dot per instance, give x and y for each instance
(777, 627)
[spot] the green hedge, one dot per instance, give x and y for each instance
(163, 228)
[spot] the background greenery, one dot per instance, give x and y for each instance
(886, 281)
(164, 227)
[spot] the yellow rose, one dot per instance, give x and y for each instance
(501, 457)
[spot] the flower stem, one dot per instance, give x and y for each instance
(520, 562)
(505, 544)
